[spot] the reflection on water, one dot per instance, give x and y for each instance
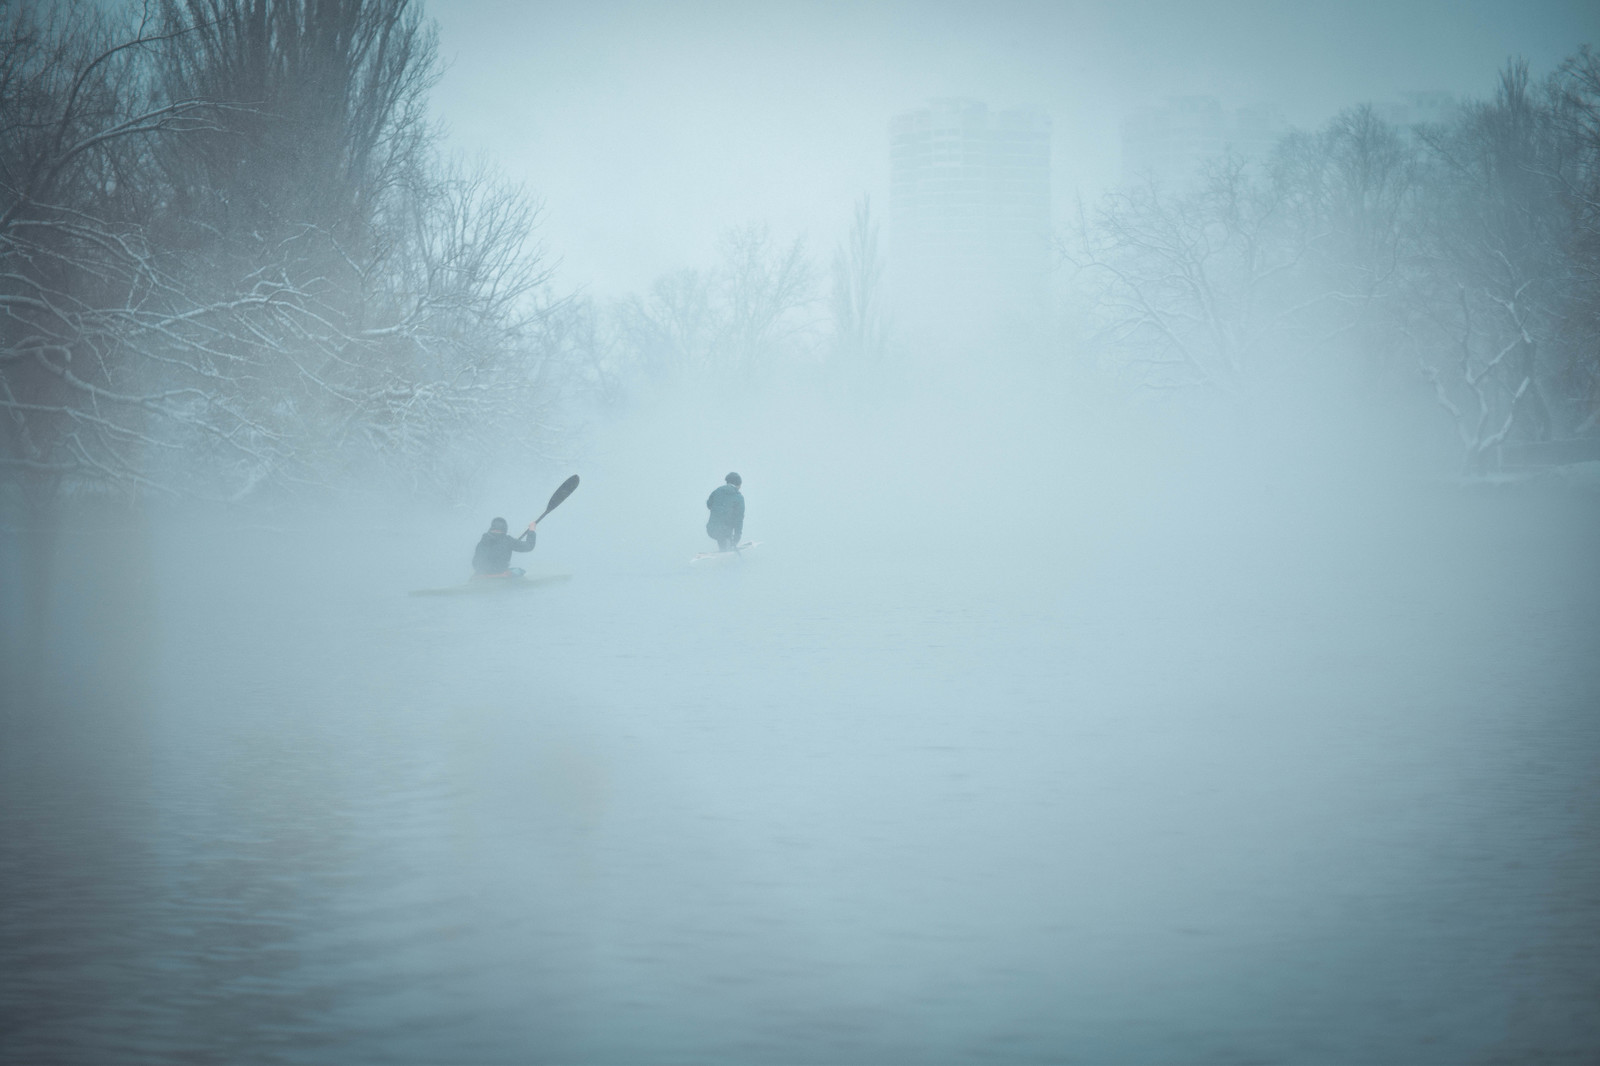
(1289, 805)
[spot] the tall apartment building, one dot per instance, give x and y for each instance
(1172, 143)
(969, 216)
(1408, 111)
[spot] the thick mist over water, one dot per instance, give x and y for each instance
(1171, 628)
(1025, 734)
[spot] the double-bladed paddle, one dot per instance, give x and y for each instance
(560, 494)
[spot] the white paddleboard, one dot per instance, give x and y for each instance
(731, 553)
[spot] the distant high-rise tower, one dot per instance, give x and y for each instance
(1410, 111)
(1171, 144)
(969, 216)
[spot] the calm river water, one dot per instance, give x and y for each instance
(1241, 793)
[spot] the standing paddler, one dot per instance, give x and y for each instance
(726, 504)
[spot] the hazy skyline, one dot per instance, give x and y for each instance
(649, 129)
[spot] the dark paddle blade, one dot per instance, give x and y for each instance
(560, 494)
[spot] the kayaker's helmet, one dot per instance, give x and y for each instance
(733, 479)
(498, 525)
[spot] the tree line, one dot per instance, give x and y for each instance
(235, 262)
(1461, 258)
(764, 305)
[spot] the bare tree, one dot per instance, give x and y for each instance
(1350, 192)
(766, 293)
(177, 322)
(1467, 250)
(671, 329)
(1493, 234)
(1576, 121)
(101, 353)
(1186, 283)
(857, 295)
(748, 313)
(328, 110)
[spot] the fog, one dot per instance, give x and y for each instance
(1122, 672)
(732, 113)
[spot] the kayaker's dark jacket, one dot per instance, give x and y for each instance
(727, 512)
(493, 554)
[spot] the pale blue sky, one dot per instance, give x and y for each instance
(648, 128)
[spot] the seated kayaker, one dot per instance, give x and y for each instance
(492, 558)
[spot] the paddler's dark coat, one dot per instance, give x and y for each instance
(493, 554)
(727, 512)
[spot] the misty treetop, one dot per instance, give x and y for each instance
(1461, 259)
(235, 261)
(757, 308)
(763, 307)
(1449, 271)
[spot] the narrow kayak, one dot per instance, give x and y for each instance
(489, 586)
(731, 553)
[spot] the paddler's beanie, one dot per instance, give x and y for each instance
(499, 525)
(733, 479)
